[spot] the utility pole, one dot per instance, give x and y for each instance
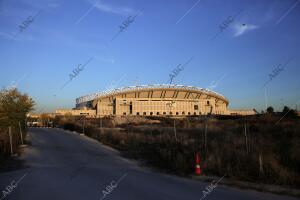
(266, 99)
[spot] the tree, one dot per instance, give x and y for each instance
(270, 110)
(285, 110)
(13, 107)
(44, 119)
(289, 112)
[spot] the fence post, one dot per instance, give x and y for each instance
(21, 133)
(175, 131)
(100, 121)
(205, 134)
(83, 124)
(100, 124)
(10, 140)
(261, 169)
(246, 139)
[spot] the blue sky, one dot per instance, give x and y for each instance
(237, 63)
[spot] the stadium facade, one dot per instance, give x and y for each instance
(154, 100)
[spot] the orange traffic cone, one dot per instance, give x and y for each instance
(197, 166)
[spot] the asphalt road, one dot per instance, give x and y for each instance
(65, 165)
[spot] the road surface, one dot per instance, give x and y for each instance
(64, 165)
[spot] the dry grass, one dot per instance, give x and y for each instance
(271, 156)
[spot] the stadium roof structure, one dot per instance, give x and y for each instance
(116, 91)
